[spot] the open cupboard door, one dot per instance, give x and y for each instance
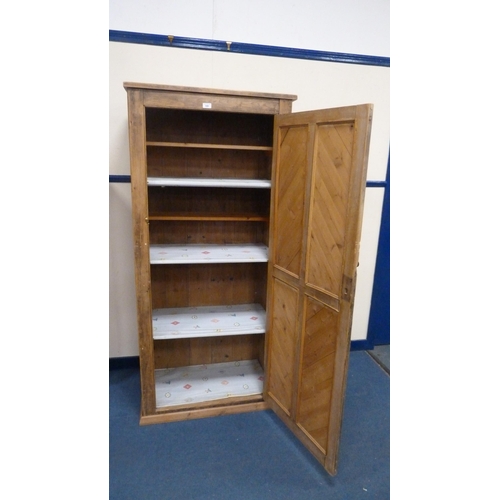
(319, 177)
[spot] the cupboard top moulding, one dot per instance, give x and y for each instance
(171, 96)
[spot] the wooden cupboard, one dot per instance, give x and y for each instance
(246, 221)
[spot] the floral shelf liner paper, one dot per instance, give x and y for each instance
(199, 383)
(208, 321)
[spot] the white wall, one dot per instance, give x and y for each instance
(317, 84)
(353, 26)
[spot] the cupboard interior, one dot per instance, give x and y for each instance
(195, 285)
(185, 285)
(207, 232)
(201, 203)
(213, 127)
(208, 145)
(205, 161)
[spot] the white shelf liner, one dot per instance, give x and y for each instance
(201, 182)
(208, 321)
(207, 254)
(200, 383)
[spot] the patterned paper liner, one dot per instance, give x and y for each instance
(200, 383)
(209, 321)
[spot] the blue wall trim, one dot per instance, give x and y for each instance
(245, 48)
(119, 178)
(379, 321)
(126, 178)
(376, 184)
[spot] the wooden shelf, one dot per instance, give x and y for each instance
(207, 254)
(208, 321)
(209, 217)
(212, 382)
(203, 182)
(207, 146)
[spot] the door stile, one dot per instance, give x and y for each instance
(311, 151)
(339, 385)
(363, 121)
(298, 353)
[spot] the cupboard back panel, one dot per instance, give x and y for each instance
(207, 202)
(191, 285)
(208, 127)
(187, 352)
(207, 232)
(166, 161)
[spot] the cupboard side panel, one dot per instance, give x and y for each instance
(137, 134)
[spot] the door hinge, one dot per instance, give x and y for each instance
(346, 288)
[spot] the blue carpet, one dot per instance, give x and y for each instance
(248, 456)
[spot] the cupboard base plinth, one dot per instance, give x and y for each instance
(164, 417)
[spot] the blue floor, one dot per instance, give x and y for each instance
(248, 456)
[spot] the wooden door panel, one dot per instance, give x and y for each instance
(318, 191)
(289, 199)
(283, 344)
(317, 369)
(332, 167)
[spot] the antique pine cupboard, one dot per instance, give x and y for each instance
(246, 221)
